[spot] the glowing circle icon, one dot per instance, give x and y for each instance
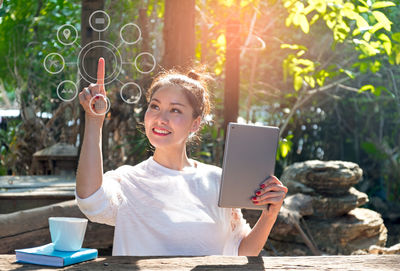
(67, 34)
(67, 90)
(54, 63)
(130, 28)
(130, 93)
(88, 55)
(99, 105)
(111, 55)
(99, 21)
(145, 63)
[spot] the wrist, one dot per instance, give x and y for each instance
(96, 121)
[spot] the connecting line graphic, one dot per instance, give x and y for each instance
(99, 21)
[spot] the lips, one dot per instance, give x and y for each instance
(160, 131)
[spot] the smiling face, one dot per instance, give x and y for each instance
(169, 118)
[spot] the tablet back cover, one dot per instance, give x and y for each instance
(249, 159)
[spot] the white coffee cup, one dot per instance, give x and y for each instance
(67, 233)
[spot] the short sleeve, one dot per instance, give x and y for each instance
(238, 228)
(102, 206)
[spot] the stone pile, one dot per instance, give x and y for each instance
(325, 204)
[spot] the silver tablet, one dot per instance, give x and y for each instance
(249, 159)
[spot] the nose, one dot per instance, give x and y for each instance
(163, 117)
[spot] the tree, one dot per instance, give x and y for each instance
(90, 64)
(179, 34)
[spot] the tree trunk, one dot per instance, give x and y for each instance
(89, 35)
(179, 34)
(232, 73)
(144, 26)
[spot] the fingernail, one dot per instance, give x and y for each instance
(255, 201)
(97, 97)
(254, 198)
(262, 186)
(258, 193)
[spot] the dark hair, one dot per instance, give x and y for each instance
(194, 86)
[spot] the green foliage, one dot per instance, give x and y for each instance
(356, 23)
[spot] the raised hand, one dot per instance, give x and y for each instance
(93, 97)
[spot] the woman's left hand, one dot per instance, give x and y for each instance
(271, 192)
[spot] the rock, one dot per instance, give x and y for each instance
(295, 187)
(303, 204)
(360, 252)
(359, 229)
(324, 177)
(327, 207)
(384, 250)
(283, 248)
(251, 216)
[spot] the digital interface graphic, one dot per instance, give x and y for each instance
(99, 21)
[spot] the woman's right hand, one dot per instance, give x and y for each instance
(93, 98)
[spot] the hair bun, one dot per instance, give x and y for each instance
(192, 74)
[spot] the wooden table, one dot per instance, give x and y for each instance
(365, 262)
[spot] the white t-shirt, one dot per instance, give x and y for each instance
(159, 211)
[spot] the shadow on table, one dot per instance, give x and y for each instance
(253, 263)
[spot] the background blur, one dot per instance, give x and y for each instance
(325, 71)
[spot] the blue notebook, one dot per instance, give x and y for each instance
(47, 255)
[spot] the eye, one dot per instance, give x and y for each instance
(177, 110)
(153, 106)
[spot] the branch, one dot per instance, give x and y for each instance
(4, 94)
(305, 97)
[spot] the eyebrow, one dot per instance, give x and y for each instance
(170, 103)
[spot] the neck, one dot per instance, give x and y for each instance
(172, 157)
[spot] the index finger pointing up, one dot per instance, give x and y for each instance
(100, 72)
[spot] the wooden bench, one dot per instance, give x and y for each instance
(26, 192)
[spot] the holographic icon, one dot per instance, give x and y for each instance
(146, 63)
(67, 90)
(67, 34)
(99, 105)
(130, 29)
(130, 93)
(110, 54)
(54, 63)
(99, 21)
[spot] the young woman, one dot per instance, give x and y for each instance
(167, 204)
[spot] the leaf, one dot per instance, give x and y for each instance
(369, 148)
(366, 87)
(364, 3)
(314, 19)
(382, 19)
(382, 88)
(310, 81)
(398, 58)
(396, 36)
(293, 46)
(205, 153)
(284, 149)
(362, 9)
(388, 47)
(383, 4)
(367, 36)
(298, 82)
(383, 37)
(304, 23)
(348, 73)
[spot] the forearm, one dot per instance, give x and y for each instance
(252, 244)
(89, 175)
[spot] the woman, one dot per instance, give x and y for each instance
(167, 204)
